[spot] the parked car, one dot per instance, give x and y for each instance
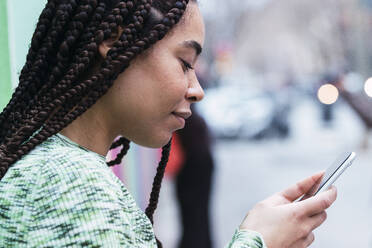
(233, 111)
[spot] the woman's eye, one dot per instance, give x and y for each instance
(186, 66)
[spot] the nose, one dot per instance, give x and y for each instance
(195, 92)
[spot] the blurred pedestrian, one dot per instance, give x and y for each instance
(194, 189)
(362, 105)
(192, 151)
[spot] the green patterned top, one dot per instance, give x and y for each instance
(63, 195)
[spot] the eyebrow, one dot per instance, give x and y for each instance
(194, 45)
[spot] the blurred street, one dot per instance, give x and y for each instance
(249, 171)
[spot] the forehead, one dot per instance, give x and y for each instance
(190, 27)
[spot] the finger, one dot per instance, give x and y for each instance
(275, 200)
(318, 203)
(302, 187)
(313, 189)
(309, 239)
(317, 220)
(304, 242)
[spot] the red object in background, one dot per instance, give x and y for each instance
(176, 158)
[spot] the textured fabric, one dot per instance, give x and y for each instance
(63, 195)
(246, 239)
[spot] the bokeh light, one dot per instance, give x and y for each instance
(368, 87)
(328, 94)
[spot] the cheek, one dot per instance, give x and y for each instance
(149, 91)
(173, 83)
(173, 91)
(144, 102)
(151, 97)
(165, 79)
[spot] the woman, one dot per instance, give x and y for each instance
(96, 70)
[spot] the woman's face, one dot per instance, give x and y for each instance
(151, 99)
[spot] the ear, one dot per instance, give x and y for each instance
(106, 45)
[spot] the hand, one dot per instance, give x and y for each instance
(284, 223)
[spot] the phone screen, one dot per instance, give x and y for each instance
(336, 169)
(332, 173)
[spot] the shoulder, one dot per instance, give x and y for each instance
(53, 169)
(54, 154)
(81, 200)
(46, 183)
(74, 199)
(70, 171)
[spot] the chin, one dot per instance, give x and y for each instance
(156, 142)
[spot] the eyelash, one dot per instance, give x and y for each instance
(186, 65)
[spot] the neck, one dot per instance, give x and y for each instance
(91, 131)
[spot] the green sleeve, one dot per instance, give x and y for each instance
(246, 239)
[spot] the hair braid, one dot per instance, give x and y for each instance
(153, 202)
(63, 14)
(41, 28)
(74, 92)
(116, 144)
(77, 68)
(107, 75)
(82, 62)
(34, 123)
(156, 185)
(103, 80)
(26, 90)
(75, 29)
(65, 62)
(120, 142)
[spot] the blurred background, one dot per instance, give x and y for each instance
(287, 89)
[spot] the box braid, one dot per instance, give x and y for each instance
(43, 61)
(22, 94)
(85, 60)
(79, 67)
(79, 62)
(42, 26)
(54, 88)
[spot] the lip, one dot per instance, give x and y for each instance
(181, 117)
(180, 120)
(184, 115)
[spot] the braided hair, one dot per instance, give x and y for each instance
(56, 84)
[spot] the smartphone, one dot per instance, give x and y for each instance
(333, 172)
